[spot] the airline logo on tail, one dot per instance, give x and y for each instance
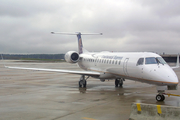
(80, 45)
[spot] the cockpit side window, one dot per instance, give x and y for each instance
(151, 60)
(140, 61)
(161, 60)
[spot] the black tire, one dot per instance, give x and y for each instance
(121, 83)
(163, 97)
(80, 84)
(160, 98)
(116, 83)
(84, 85)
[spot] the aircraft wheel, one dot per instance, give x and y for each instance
(84, 84)
(160, 97)
(121, 83)
(163, 97)
(80, 83)
(116, 82)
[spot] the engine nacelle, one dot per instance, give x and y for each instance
(71, 57)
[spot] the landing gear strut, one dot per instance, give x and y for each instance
(82, 81)
(160, 96)
(119, 82)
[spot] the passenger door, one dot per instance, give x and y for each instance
(125, 66)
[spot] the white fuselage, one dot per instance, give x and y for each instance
(125, 65)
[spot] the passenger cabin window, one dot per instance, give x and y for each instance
(140, 61)
(151, 60)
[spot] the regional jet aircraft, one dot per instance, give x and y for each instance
(144, 67)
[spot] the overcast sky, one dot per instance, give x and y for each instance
(127, 25)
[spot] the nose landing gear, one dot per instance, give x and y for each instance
(160, 96)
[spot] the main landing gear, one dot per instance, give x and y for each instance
(160, 97)
(82, 81)
(119, 82)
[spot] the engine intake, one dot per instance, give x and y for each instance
(72, 57)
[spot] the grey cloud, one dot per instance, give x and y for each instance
(163, 8)
(127, 25)
(20, 8)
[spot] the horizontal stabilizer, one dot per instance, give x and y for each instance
(76, 33)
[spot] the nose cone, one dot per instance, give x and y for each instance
(168, 75)
(173, 78)
(161, 75)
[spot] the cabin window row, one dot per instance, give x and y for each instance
(105, 61)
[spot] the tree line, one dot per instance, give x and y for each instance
(33, 56)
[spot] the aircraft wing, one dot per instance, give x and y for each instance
(175, 67)
(88, 73)
(177, 63)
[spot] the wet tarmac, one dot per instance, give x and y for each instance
(37, 95)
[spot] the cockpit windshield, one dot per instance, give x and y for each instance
(153, 60)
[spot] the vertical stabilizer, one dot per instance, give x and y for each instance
(80, 45)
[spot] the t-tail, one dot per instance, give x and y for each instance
(80, 44)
